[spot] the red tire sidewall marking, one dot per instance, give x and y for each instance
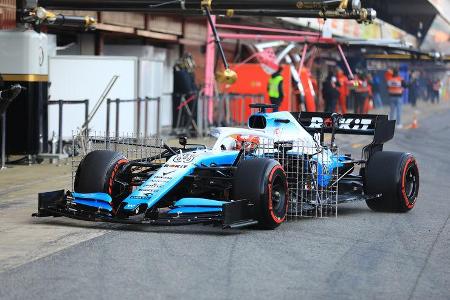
(113, 174)
(275, 218)
(410, 162)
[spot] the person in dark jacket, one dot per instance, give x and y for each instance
(330, 92)
(374, 81)
(435, 90)
(413, 89)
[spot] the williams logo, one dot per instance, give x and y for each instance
(344, 124)
(184, 158)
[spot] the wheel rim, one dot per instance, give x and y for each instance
(411, 183)
(278, 197)
(115, 190)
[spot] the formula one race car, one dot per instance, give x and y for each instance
(284, 164)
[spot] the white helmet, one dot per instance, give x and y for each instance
(228, 143)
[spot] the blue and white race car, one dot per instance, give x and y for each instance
(279, 166)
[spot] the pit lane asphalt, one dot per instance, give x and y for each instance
(360, 254)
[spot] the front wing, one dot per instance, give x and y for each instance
(233, 214)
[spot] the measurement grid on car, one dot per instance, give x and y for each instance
(312, 181)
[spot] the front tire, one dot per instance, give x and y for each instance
(97, 173)
(395, 175)
(263, 182)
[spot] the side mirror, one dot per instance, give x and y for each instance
(183, 141)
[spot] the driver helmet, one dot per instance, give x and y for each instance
(228, 143)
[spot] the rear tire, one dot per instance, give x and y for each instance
(395, 175)
(97, 172)
(263, 182)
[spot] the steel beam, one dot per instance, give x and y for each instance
(147, 5)
(340, 9)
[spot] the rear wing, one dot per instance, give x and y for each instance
(357, 124)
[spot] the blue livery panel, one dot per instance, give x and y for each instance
(195, 210)
(176, 168)
(94, 204)
(93, 196)
(199, 202)
(100, 201)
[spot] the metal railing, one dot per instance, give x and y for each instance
(228, 110)
(61, 104)
(185, 122)
(132, 146)
(138, 101)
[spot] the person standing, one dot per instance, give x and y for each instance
(396, 87)
(330, 92)
(375, 83)
(413, 89)
(361, 93)
(429, 89)
(436, 89)
(343, 91)
(275, 88)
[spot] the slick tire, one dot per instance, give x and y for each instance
(263, 182)
(395, 175)
(96, 174)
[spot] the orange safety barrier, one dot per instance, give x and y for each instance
(308, 86)
(252, 80)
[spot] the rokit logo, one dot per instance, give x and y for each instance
(345, 124)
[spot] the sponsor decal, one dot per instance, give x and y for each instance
(178, 166)
(345, 124)
(168, 172)
(165, 175)
(184, 158)
(157, 181)
(277, 131)
(328, 122)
